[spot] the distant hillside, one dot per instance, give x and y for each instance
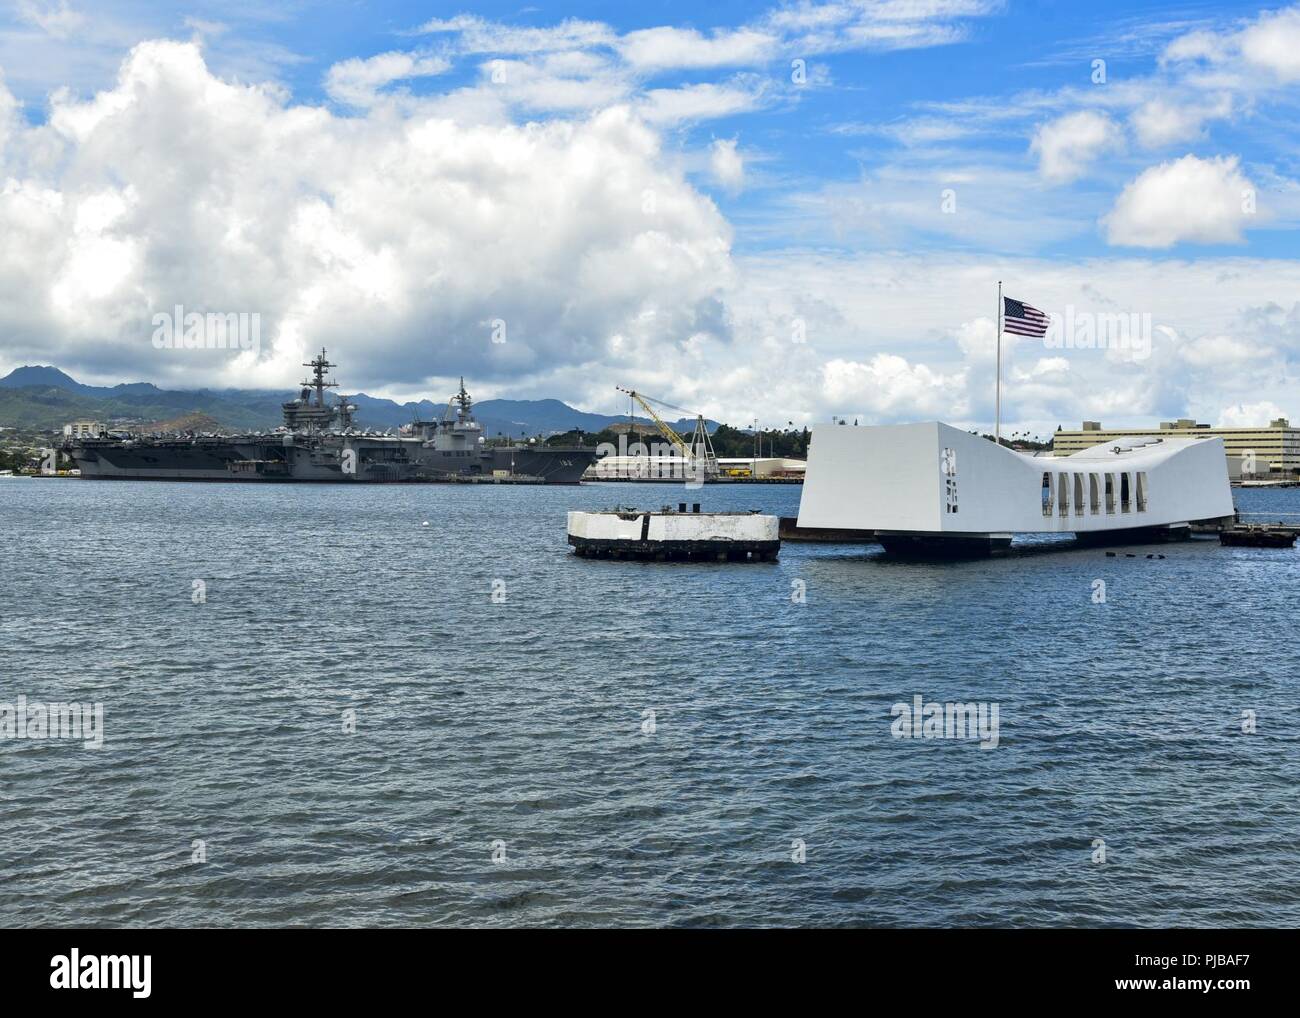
(50, 407)
(44, 377)
(534, 416)
(46, 398)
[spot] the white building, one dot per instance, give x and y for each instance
(84, 429)
(915, 483)
(638, 468)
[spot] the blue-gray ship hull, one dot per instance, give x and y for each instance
(364, 461)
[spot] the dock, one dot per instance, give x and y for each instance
(1259, 535)
(1260, 530)
(668, 535)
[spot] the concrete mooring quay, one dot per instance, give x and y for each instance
(1253, 530)
(667, 535)
(1259, 535)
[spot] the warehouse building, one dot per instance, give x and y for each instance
(762, 467)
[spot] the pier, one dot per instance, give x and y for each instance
(675, 535)
(1247, 530)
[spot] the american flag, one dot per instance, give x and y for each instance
(1023, 319)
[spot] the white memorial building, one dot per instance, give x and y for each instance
(932, 488)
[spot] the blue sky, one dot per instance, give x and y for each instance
(856, 174)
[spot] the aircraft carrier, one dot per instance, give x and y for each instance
(319, 441)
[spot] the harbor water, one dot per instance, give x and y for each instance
(413, 705)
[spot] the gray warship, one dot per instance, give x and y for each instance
(319, 441)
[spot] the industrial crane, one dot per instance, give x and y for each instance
(700, 447)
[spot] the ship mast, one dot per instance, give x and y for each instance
(464, 405)
(319, 366)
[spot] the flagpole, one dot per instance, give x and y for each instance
(997, 398)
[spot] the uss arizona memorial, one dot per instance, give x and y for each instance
(932, 487)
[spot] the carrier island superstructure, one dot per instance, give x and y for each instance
(320, 441)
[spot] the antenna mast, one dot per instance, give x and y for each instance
(319, 366)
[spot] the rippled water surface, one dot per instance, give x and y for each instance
(521, 723)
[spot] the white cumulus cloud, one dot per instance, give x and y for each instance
(478, 35)
(1159, 122)
(1068, 145)
(1269, 46)
(358, 81)
(703, 101)
(1217, 351)
(395, 237)
(887, 385)
(664, 47)
(1251, 415)
(56, 18)
(1188, 200)
(726, 164)
(1273, 43)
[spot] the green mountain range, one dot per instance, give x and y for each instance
(45, 398)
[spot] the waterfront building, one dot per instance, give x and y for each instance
(1251, 452)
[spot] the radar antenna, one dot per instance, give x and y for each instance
(345, 408)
